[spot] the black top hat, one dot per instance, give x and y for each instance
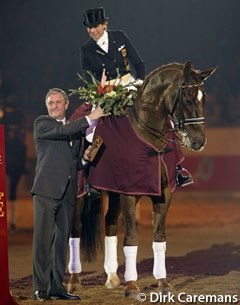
(94, 16)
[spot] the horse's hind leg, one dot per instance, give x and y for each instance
(111, 241)
(74, 265)
(160, 209)
(130, 244)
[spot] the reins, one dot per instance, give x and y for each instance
(153, 131)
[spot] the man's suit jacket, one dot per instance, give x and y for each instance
(57, 160)
(94, 59)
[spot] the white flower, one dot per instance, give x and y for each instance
(111, 93)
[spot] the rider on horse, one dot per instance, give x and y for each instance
(112, 52)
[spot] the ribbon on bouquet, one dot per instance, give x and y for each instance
(90, 130)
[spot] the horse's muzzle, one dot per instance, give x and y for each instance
(197, 145)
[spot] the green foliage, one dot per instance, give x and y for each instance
(113, 97)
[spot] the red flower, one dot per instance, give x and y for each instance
(106, 89)
(100, 89)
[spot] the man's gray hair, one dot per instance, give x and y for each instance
(57, 90)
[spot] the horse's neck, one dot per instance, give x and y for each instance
(149, 115)
(148, 125)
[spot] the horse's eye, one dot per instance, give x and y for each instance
(189, 102)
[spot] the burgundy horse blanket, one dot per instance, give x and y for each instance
(128, 164)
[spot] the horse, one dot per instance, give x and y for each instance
(169, 109)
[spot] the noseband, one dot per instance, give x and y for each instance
(181, 121)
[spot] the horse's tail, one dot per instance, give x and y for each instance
(91, 232)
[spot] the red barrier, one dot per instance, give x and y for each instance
(214, 173)
(5, 297)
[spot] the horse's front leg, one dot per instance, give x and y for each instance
(112, 206)
(130, 247)
(160, 209)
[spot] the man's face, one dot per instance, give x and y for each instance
(97, 31)
(56, 105)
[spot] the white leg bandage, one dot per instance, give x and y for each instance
(130, 253)
(159, 268)
(74, 265)
(110, 261)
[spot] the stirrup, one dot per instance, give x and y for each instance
(92, 192)
(183, 177)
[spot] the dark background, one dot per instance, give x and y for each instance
(40, 40)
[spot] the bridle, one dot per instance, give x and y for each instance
(177, 124)
(181, 121)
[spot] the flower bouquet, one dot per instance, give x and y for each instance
(112, 96)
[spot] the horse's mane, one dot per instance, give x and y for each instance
(169, 66)
(173, 65)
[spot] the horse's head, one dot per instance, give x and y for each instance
(187, 110)
(176, 91)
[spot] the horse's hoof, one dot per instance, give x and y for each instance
(113, 281)
(131, 289)
(73, 283)
(164, 286)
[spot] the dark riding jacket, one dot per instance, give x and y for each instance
(121, 55)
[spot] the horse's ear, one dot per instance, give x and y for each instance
(206, 74)
(187, 68)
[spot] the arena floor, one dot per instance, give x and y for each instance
(203, 254)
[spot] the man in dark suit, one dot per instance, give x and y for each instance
(59, 156)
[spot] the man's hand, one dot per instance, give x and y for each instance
(97, 113)
(90, 153)
(86, 154)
